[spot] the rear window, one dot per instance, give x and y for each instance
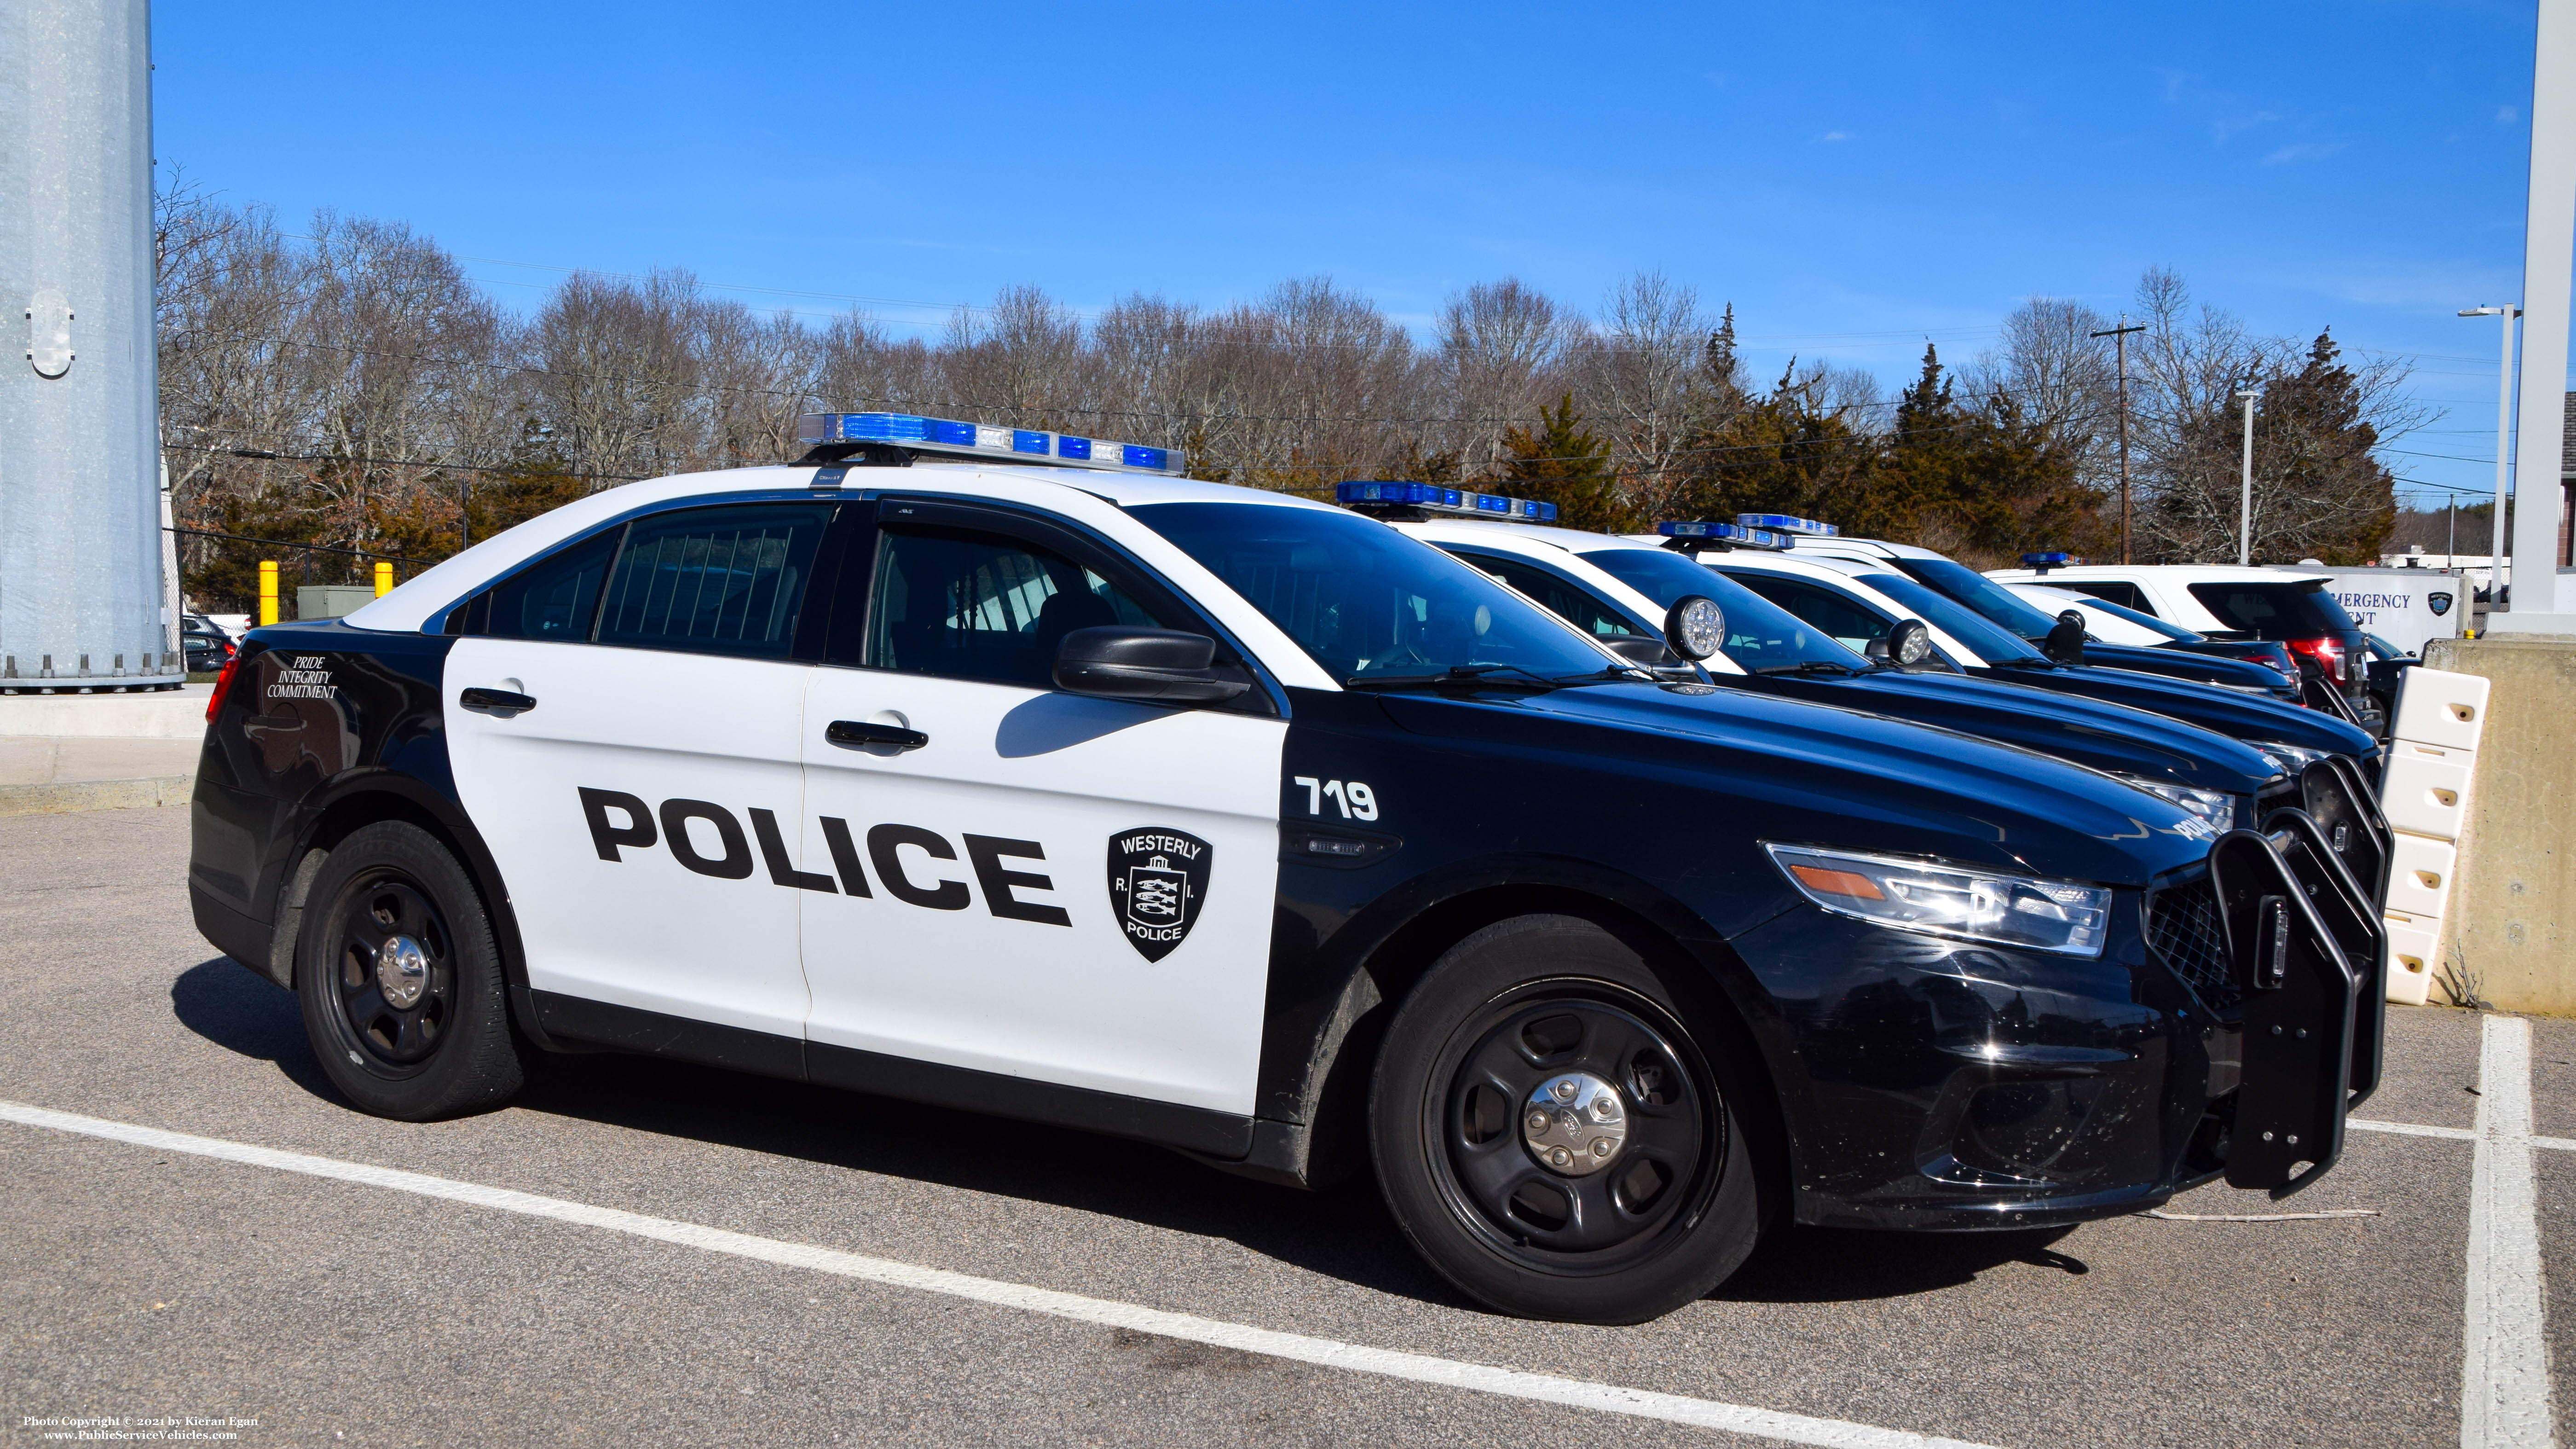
(2288, 610)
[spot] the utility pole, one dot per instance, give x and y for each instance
(2504, 441)
(2247, 395)
(2120, 339)
(81, 594)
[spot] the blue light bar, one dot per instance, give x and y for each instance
(1735, 534)
(1439, 498)
(979, 440)
(2050, 558)
(1786, 523)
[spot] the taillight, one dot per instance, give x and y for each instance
(2327, 651)
(223, 681)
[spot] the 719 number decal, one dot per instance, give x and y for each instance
(1353, 798)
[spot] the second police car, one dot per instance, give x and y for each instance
(1246, 825)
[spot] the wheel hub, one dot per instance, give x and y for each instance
(402, 972)
(1574, 1124)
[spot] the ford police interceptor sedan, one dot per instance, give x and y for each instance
(1248, 826)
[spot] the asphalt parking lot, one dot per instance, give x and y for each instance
(144, 1276)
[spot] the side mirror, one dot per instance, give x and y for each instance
(1908, 644)
(1160, 666)
(1695, 627)
(2065, 643)
(1639, 650)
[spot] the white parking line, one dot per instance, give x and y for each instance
(1323, 1352)
(2455, 1134)
(2504, 1379)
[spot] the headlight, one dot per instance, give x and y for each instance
(1951, 900)
(2215, 806)
(2291, 758)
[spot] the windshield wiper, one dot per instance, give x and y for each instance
(1454, 674)
(1808, 666)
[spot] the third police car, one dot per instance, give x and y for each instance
(1002, 769)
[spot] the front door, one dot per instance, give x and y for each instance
(1034, 883)
(642, 808)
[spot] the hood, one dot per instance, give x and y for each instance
(1790, 770)
(2098, 733)
(2238, 716)
(2186, 664)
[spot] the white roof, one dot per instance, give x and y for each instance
(2178, 573)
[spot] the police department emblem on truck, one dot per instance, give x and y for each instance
(1602, 972)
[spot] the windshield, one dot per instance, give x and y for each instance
(1759, 634)
(2166, 627)
(1982, 594)
(1367, 602)
(1990, 642)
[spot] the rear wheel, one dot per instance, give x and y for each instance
(1551, 1135)
(400, 980)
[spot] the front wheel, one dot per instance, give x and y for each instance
(400, 980)
(1551, 1135)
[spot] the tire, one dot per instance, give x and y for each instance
(413, 1033)
(1552, 1224)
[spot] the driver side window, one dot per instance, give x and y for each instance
(972, 605)
(1846, 622)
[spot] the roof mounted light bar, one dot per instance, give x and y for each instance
(1787, 523)
(2046, 561)
(1440, 499)
(1693, 536)
(943, 438)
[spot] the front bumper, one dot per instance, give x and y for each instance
(1944, 1086)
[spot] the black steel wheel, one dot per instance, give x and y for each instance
(401, 984)
(1551, 1133)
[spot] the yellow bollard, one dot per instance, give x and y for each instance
(268, 591)
(384, 578)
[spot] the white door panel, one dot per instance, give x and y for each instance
(644, 929)
(1015, 953)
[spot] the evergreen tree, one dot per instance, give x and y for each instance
(1563, 462)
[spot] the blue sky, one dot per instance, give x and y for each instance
(1855, 179)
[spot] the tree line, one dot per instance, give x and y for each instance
(349, 386)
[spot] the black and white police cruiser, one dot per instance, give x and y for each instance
(1007, 770)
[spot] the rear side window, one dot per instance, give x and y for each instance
(726, 580)
(2126, 595)
(555, 597)
(2275, 611)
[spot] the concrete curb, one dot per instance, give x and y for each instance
(64, 798)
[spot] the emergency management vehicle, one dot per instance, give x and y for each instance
(1243, 824)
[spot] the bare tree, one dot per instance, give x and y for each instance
(1643, 373)
(1501, 344)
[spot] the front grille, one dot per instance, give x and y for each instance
(2187, 933)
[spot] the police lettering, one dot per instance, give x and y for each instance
(619, 821)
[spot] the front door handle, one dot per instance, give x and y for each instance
(501, 702)
(861, 732)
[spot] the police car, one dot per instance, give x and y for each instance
(1620, 589)
(1956, 581)
(1243, 824)
(1859, 602)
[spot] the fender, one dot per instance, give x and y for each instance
(1317, 1052)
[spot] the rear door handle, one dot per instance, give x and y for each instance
(860, 732)
(495, 701)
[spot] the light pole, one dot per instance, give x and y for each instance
(2504, 438)
(2120, 334)
(2247, 395)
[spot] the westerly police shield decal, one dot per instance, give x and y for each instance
(1157, 881)
(2441, 604)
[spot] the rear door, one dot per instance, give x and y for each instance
(1073, 890)
(643, 808)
